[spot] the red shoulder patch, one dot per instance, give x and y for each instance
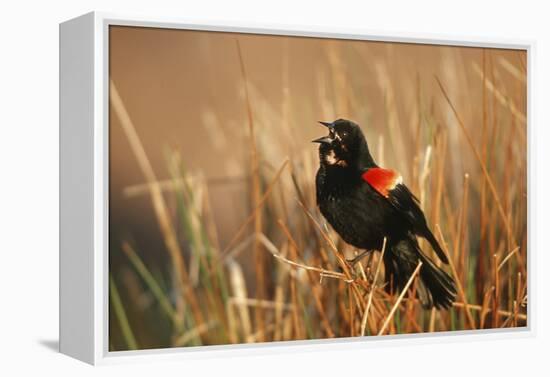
(382, 180)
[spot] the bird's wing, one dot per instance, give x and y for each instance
(382, 180)
(389, 184)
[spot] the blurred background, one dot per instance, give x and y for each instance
(210, 158)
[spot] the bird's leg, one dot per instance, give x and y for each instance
(357, 258)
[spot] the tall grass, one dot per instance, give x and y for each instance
(297, 284)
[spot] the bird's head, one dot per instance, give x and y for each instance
(344, 146)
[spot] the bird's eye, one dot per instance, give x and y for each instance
(343, 134)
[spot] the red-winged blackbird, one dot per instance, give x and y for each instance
(365, 203)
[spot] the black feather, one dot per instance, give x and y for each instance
(408, 204)
(436, 287)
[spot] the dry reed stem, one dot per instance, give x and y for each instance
(252, 215)
(274, 251)
(460, 240)
(457, 278)
(516, 73)
(441, 153)
(479, 308)
(371, 293)
(318, 299)
(410, 310)
(483, 190)
(510, 254)
(362, 270)
(496, 297)
(121, 316)
(401, 295)
(452, 220)
(298, 329)
(424, 175)
(351, 310)
(501, 98)
(239, 291)
(431, 324)
(279, 302)
(287, 233)
(516, 308)
(518, 289)
(153, 285)
(194, 333)
(231, 324)
(161, 211)
(265, 304)
(484, 310)
(281, 282)
(513, 317)
(259, 335)
(481, 163)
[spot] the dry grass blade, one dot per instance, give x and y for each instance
(238, 285)
(371, 293)
(484, 308)
(261, 202)
(457, 279)
(517, 73)
(194, 333)
(151, 283)
(504, 101)
(510, 254)
(316, 289)
(325, 273)
(120, 313)
(401, 295)
(479, 308)
(265, 304)
(424, 174)
(481, 163)
(496, 297)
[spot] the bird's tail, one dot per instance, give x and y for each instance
(435, 245)
(435, 288)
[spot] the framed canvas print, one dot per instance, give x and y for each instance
(235, 190)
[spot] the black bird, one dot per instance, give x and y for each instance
(365, 203)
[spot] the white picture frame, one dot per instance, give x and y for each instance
(84, 190)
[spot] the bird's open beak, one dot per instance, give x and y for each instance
(327, 124)
(323, 140)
